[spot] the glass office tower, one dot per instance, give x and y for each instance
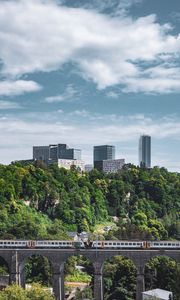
(145, 151)
(104, 152)
(101, 153)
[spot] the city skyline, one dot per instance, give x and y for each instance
(90, 73)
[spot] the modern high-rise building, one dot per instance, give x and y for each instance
(52, 153)
(145, 151)
(41, 153)
(101, 153)
(104, 152)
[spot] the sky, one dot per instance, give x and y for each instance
(90, 72)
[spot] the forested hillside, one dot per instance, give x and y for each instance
(36, 201)
(39, 202)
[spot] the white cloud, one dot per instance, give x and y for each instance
(8, 105)
(116, 7)
(112, 94)
(43, 36)
(152, 85)
(70, 94)
(80, 113)
(18, 87)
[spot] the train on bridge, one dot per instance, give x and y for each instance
(80, 244)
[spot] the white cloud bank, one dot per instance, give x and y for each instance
(18, 87)
(9, 105)
(40, 35)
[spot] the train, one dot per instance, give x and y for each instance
(80, 244)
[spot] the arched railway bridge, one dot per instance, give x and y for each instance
(16, 259)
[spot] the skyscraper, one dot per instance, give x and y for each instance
(145, 151)
(105, 152)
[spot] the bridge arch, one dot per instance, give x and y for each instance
(4, 261)
(80, 269)
(57, 257)
(160, 272)
(25, 255)
(36, 265)
(115, 271)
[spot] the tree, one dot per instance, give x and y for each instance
(37, 292)
(15, 292)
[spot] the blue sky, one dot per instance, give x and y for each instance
(89, 73)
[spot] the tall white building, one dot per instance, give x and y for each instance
(145, 151)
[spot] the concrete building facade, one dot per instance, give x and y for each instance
(112, 165)
(69, 163)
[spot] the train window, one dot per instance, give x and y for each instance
(134, 244)
(126, 244)
(169, 244)
(114, 243)
(130, 244)
(122, 244)
(110, 243)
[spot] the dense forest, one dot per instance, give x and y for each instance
(40, 202)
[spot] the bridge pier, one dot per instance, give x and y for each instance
(22, 278)
(98, 281)
(14, 269)
(140, 284)
(58, 281)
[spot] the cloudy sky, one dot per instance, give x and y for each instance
(90, 72)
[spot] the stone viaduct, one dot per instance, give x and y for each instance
(16, 259)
